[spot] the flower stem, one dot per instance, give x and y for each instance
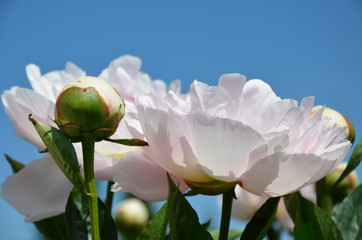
(90, 184)
(227, 201)
(109, 197)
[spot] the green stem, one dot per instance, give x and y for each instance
(227, 201)
(109, 197)
(90, 184)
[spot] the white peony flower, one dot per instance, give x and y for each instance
(236, 133)
(40, 190)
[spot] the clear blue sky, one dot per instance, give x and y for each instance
(301, 48)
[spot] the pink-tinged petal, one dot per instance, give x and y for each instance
(137, 174)
(212, 100)
(175, 86)
(282, 173)
(165, 134)
(130, 64)
(223, 146)
(19, 103)
(50, 84)
(40, 190)
(233, 84)
(256, 96)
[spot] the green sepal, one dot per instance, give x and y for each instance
(353, 162)
(15, 165)
(78, 219)
(262, 220)
(62, 151)
(233, 234)
(128, 142)
(348, 215)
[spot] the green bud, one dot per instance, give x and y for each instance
(338, 119)
(88, 105)
(345, 187)
(131, 217)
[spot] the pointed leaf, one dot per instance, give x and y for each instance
(62, 151)
(184, 222)
(311, 222)
(15, 165)
(128, 142)
(348, 215)
(156, 228)
(53, 228)
(78, 219)
(262, 220)
(353, 162)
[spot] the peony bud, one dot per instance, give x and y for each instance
(131, 217)
(345, 187)
(88, 105)
(338, 119)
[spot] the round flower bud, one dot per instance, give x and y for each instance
(88, 105)
(348, 184)
(338, 119)
(131, 217)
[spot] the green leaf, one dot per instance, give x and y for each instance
(261, 221)
(156, 228)
(348, 215)
(62, 151)
(183, 220)
(128, 142)
(53, 228)
(78, 219)
(353, 162)
(233, 234)
(311, 222)
(15, 165)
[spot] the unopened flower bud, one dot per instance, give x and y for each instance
(131, 217)
(88, 105)
(338, 119)
(348, 184)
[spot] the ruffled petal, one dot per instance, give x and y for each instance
(166, 135)
(223, 146)
(137, 174)
(19, 103)
(40, 190)
(282, 173)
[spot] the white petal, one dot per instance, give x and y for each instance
(212, 100)
(40, 190)
(137, 174)
(19, 103)
(282, 173)
(256, 96)
(223, 146)
(166, 135)
(50, 84)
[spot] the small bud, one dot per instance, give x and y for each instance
(88, 105)
(131, 217)
(209, 188)
(345, 187)
(338, 119)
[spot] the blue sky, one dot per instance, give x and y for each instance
(301, 48)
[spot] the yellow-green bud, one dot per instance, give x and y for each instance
(338, 119)
(88, 105)
(131, 217)
(348, 184)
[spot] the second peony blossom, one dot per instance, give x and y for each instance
(240, 133)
